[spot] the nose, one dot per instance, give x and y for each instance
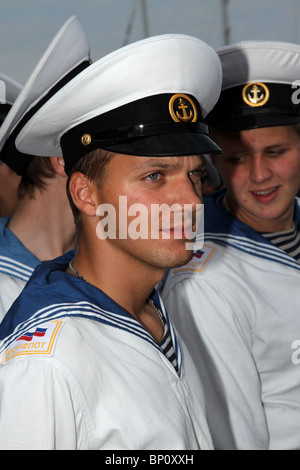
(188, 196)
(260, 170)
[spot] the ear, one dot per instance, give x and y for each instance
(58, 164)
(82, 193)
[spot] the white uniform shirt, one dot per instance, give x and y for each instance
(236, 304)
(16, 266)
(78, 372)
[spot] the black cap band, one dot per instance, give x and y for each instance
(16, 160)
(255, 105)
(146, 127)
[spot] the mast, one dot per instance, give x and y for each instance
(145, 19)
(225, 25)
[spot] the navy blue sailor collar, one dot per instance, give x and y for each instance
(15, 259)
(51, 294)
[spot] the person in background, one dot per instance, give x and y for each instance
(42, 225)
(88, 347)
(9, 180)
(235, 304)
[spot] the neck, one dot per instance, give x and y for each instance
(129, 288)
(44, 224)
(123, 278)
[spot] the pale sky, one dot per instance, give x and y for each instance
(28, 26)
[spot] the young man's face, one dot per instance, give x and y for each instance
(141, 185)
(261, 171)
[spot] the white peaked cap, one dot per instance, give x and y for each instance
(124, 89)
(11, 89)
(259, 61)
(67, 54)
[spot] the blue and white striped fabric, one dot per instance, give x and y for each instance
(15, 259)
(288, 241)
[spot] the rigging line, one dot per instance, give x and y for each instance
(130, 24)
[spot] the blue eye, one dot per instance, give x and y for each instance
(153, 176)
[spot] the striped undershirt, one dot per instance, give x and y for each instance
(166, 344)
(288, 241)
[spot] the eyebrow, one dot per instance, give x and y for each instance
(165, 165)
(281, 144)
(268, 147)
(156, 163)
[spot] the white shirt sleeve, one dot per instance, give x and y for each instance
(44, 411)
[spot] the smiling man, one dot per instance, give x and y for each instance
(88, 348)
(243, 341)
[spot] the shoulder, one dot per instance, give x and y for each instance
(196, 270)
(64, 337)
(32, 340)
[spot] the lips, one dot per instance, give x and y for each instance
(266, 195)
(180, 233)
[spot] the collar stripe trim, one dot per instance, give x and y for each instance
(254, 248)
(92, 312)
(15, 269)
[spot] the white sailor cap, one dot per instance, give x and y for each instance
(149, 99)
(258, 89)
(67, 55)
(9, 90)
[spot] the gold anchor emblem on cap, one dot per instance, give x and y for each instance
(255, 94)
(182, 108)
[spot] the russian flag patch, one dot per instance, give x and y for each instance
(36, 342)
(199, 261)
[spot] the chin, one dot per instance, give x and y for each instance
(174, 260)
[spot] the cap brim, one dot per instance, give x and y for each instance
(254, 121)
(167, 145)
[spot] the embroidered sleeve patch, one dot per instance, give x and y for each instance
(38, 341)
(199, 261)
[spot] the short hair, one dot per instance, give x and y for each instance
(93, 167)
(35, 176)
(296, 128)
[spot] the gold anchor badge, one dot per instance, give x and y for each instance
(255, 94)
(182, 108)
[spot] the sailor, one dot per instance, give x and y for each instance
(88, 347)
(42, 225)
(235, 304)
(9, 180)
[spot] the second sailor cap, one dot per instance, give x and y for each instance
(260, 88)
(67, 55)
